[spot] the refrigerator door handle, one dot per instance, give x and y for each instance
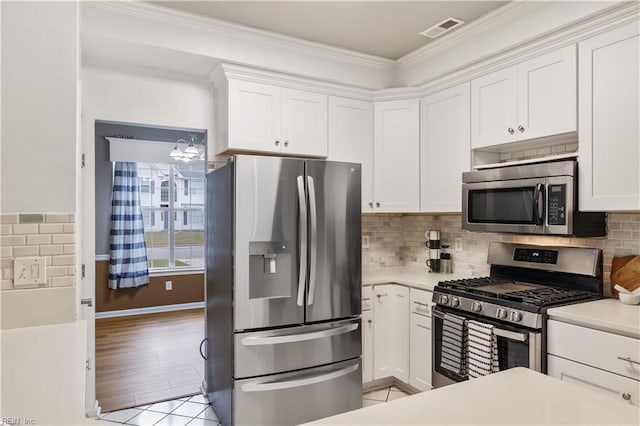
(287, 384)
(313, 241)
(302, 204)
(292, 338)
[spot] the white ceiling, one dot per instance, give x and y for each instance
(387, 29)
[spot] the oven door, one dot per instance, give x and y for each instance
(504, 206)
(517, 347)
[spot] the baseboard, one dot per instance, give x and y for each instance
(389, 381)
(150, 310)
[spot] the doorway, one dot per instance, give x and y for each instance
(147, 338)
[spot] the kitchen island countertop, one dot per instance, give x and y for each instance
(412, 276)
(518, 396)
(609, 315)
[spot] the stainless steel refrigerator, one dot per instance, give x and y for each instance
(283, 283)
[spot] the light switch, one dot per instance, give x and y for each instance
(29, 271)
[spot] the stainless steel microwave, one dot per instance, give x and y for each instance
(540, 198)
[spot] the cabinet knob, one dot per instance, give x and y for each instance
(286, 143)
(371, 204)
(626, 396)
(521, 129)
(510, 130)
(369, 321)
(377, 204)
(277, 143)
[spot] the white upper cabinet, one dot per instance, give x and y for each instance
(303, 123)
(396, 156)
(257, 117)
(445, 148)
(351, 139)
(609, 142)
(533, 99)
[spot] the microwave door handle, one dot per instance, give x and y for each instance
(538, 204)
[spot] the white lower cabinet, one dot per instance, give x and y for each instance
(367, 335)
(597, 380)
(396, 334)
(420, 356)
(605, 362)
(391, 332)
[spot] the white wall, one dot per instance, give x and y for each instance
(39, 112)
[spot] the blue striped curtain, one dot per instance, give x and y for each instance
(127, 250)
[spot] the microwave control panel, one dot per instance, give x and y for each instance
(557, 204)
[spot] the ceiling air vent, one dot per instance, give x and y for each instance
(442, 27)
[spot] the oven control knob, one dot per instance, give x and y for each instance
(501, 313)
(455, 301)
(516, 316)
(476, 306)
(444, 299)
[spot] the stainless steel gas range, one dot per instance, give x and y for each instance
(525, 280)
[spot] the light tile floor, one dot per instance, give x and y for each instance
(196, 411)
(382, 395)
(193, 411)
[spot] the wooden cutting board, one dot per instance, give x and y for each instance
(625, 271)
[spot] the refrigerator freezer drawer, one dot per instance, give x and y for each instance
(294, 348)
(299, 397)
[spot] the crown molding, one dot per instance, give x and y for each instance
(225, 71)
(211, 25)
(600, 22)
(468, 31)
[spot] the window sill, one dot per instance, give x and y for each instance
(172, 272)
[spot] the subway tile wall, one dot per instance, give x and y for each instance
(48, 235)
(397, 239)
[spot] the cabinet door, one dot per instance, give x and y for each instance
(351, 139)
(367, 346)
(383, 332)
(603, 382)
(420, 356)
(547, 94)
(609, 143)
(254, 116)
(445, 148)
(400, 340)
(396, 156)
(494, 102)
(304, 123)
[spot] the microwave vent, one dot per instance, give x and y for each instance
(442, 27)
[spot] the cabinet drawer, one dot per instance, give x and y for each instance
(421, 302)
(609, 384)
(367, 298)
(599, 349)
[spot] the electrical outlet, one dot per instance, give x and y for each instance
(365, 241)
(168, 285)
(29, 271)
(458, 244)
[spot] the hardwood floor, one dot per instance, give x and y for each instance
(148, 358)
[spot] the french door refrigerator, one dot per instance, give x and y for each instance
(283, 282)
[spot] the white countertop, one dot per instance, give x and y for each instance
(515, 396)
(412, 276)
(608, 315)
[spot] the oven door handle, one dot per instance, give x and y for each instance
(512, 335)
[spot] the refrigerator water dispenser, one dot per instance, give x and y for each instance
(270, 272)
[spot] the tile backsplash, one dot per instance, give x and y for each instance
(48, 235)
(398, 239)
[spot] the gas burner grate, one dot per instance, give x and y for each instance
(464, 284)
(546, 296)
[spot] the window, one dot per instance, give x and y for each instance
(176, 243)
